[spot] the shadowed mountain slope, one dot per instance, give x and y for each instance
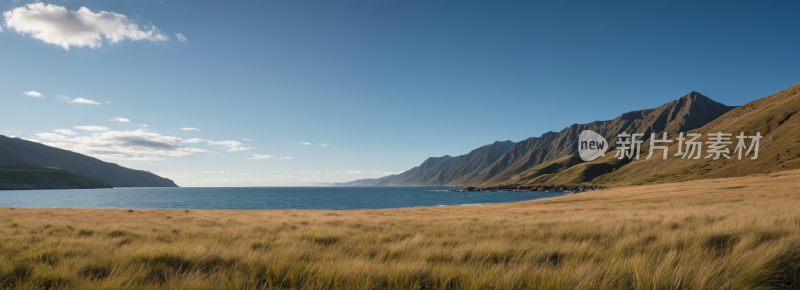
(437, 171)
(108, 173)
(443, 170)
(16, 173)
(32, 176)
(8, 158)
(688, 112)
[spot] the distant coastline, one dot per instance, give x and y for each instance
(4, 186)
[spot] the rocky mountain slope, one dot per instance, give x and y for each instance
(688, 112)
(774, 117)
(436, 171)
(443, 170)
(530, 160)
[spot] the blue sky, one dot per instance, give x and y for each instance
(384, 84)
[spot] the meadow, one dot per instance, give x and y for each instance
(733, 233)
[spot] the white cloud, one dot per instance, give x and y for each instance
(190, 129)
(120, 119)
(56, 25)
(245, 139)
(127, 145)
(324, 145)
(300, 142)
(181, 38)
(51, 136)
(228, 143)
(287, 157)
(232, 145)
(239, 149)
(67, 132)
(91, 128)
(84, 101)
(33, 94)
(194, 140)
(259, 156)
(142, 125)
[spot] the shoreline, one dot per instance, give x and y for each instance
(540, 188)
(45, 186)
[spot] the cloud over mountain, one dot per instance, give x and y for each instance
(127, 145)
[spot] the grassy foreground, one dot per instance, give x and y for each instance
(736, 233)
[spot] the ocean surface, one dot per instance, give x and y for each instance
(254, 198)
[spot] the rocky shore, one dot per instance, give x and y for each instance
(6, 186)
(561, 188)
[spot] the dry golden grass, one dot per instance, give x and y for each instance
(736, 233)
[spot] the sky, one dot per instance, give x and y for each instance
(303, 92)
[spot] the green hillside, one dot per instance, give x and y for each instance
(16, 173)
(31, 176)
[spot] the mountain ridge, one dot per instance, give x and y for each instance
(685, 113)
(688, 112)
(438, 171)
(108, 173)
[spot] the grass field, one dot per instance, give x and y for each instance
(736, 233)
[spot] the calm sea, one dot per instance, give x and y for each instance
(330, 198)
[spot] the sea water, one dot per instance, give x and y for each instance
(255, 198)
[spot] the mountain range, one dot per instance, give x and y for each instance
(50, 167)
(552, 159)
